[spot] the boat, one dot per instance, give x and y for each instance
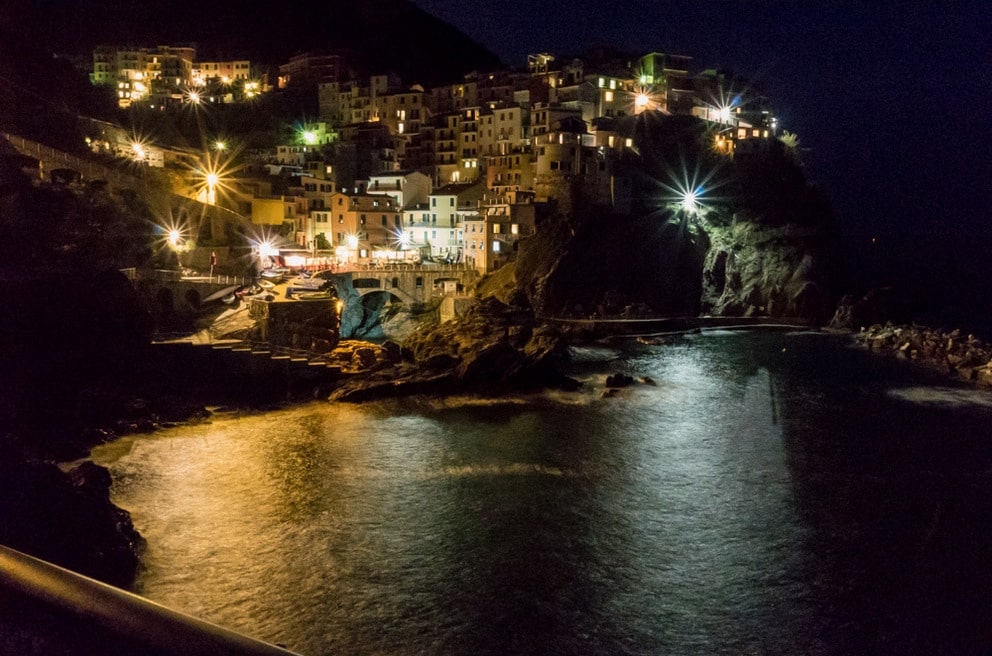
(315, 296)
(266, 285)
(222, 294)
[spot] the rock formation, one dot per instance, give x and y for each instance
(493, 348)
(963, 356)
(67, 519)
(760, 242)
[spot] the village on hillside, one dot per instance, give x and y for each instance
(391, 172)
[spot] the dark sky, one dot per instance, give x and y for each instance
(894, 99)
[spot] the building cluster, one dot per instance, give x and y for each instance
(170, 74)
(458, 171)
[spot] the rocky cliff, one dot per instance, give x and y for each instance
(760, 241)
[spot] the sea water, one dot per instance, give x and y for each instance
(752, 493)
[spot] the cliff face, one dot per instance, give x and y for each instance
(783, 271)
(761, 242)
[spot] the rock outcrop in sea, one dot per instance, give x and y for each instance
(493, 348)
(963, 356)
(67, 518)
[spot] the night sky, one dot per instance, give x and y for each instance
(893, 99)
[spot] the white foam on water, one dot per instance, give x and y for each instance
(511, 469)
(949, 397)
(593, 354)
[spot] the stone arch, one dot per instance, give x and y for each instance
(395, 293)
(192, 299)
(165, 301)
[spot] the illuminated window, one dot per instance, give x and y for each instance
(514, 229)
(613, 84)
(629, 143)
(609, 96)
(602, 83)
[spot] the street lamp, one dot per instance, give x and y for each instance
(689, 201)
(212, 180)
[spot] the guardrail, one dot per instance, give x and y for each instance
(54, 607)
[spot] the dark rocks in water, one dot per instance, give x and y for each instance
(619, 380)
(493, 348)
(383, 387)
(67, 519)
(965, 357)
(647, 380)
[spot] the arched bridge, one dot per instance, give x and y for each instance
(408, 283)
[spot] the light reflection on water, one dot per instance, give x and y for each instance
(768, 496)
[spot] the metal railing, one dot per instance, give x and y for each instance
(105, 617)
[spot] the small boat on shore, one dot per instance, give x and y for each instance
(274, 275)
(315, 296)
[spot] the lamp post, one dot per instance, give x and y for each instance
(212, 180)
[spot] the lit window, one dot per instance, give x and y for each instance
(613, 84)
(514, 229)
(602, 83)
(609, 96)
(629, 142)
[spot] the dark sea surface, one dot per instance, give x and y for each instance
(773, 493)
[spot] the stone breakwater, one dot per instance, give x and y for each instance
(963, 356)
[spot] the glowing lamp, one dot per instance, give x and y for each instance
(309, 137)
(174, 238)
(641, 101)
(265, 249)
(689, 201)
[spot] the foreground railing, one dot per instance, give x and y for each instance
(48, 609)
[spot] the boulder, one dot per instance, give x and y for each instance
(67, 519)
(619, 380)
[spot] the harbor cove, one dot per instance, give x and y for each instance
(417, 327)
(770, 493)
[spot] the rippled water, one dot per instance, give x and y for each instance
(772, 494)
